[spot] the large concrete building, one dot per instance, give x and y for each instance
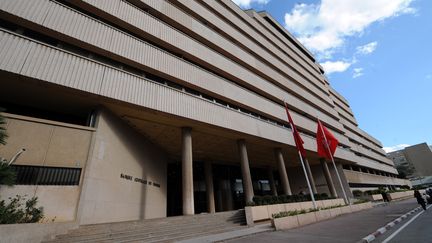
(154, 108)
(413, 161)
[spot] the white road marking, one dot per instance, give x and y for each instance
(403, 226)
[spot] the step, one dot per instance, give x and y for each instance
(143, 231)
(178, 236)
(171, 219)
(150, 237)
(122, 228)
(110, 228)
(156, 229)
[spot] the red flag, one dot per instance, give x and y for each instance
(297, 139)
(325, 148)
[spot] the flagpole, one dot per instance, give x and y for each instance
(307, 180)
(334, 165)
(300, 156)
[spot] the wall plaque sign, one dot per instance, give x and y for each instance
(139, 180)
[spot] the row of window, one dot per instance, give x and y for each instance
(40, 175)
(105, 60)
(368, 170)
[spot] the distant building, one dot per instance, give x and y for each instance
(414, 161)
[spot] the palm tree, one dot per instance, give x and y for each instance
(7, 173)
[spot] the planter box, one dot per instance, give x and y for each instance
(312, 217)
(259, 213)
(356, 207)
(285, 223)
(376, 197)
(323, 215)
(307, 218)
(275, 208)
(401, 195)
(262, 213)
(306, 205)
(292, 206)
(294, 221)
(345, 210)
(334, 212)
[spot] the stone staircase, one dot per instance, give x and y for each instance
(157, 230)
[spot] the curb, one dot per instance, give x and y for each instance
(388, 226)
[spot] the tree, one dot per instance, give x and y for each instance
(404, 170)
(7, 173)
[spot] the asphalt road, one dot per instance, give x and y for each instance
(344, 229)
(416, 229)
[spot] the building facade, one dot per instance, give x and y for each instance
(154, 108)
(413, 161)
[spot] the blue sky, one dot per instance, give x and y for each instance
(377, 54)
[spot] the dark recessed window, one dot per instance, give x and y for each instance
(41, 175)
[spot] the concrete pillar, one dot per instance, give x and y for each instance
(282, 172)
(187, 172)
(246, 176)
(271, 181)
(344, 182)
(328, 178)
(209, 187)
(311, 179)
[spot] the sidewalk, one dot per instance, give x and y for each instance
(347, 228)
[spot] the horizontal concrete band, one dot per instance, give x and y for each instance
(30, 58)
(149, 56)
(262, 105)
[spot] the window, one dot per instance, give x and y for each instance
(40, 175)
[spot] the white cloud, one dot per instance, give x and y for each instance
(248, 3)
(395, 148)
(357, 72)
(324, 27)
(367, 49)
(335, 67)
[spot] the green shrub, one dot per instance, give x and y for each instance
(399, 190)
(331, 207)
(275, 200)
(373, 192)
(357, 193)
(251, 204)
(269, 200)
(361, 201)
(19, 210)
(284, 198)
(292, 213)
(284, 214)
(257, 200)
(322, 196)
(7, 175)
